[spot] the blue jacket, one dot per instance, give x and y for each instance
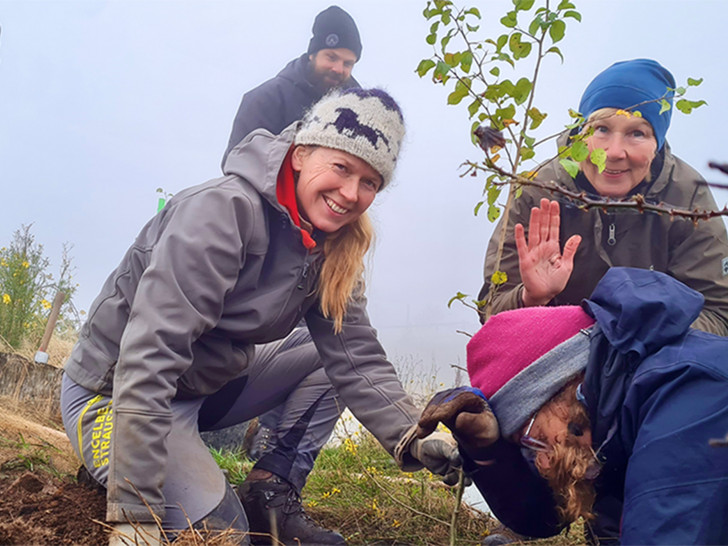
(278, 102)
(657, 393)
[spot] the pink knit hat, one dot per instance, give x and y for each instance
(521, 358)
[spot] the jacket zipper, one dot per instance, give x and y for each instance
(611, 237)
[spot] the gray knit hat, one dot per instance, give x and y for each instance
(366, 123)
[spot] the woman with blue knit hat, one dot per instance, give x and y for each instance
(606, 411)
(194, 330)
(554, 253)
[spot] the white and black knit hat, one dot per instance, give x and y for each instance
(366, 123)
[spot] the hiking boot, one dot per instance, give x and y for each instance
(273, 507)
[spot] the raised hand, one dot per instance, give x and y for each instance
(544, 269)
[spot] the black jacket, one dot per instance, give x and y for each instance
(277, 103)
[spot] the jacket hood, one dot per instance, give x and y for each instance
(639, 310)
(259, 157)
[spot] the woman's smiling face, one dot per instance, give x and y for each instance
(334, 187)
(630, 145)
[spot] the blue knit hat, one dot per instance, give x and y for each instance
(628, 83)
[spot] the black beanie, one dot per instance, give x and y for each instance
(333, 28)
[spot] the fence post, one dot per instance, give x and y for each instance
(41, 357)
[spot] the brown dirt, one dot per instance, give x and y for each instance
(40, 501)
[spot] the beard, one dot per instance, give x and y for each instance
(325, 81)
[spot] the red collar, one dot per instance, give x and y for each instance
(286, 194)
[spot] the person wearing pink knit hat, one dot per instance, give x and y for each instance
(610, 411)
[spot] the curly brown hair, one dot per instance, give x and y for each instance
(569, 461)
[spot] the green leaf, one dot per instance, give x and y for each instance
(534, 26)
(477, 207)
(571, 167)
(462, 90)
(537, 118)
(445, 40)
(557, 30)
(434, 26)
(473, 11)
(687, 106)
(527, 153)
(573, 14)
(530, 141)
(556, 50)
(466, 61)
(473, 108)
(522, 90)
(431, 39)
(493, 213)
(518, 48)
(523, 5)
(441, 70)
(495, 71)
(680, 91)
(502, 41)
(565, 4)
(457, 297)
(694, 83)
(499, 277)
(599, 158)
(472, 28)
(579, 151)
(425, 66)
(493, 190)
(664, 106)
(509, 20)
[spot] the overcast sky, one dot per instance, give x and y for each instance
(102, 102)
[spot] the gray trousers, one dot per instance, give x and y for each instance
(285, 374)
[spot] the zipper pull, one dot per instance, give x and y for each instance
(611, 239)
(304, 274)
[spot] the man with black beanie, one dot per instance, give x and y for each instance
(332, 52)
(298, 428)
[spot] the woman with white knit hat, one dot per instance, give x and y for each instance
(169, 347)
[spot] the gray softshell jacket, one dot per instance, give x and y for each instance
(697, 255)
(221, 268)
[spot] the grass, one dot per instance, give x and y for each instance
(32, 457)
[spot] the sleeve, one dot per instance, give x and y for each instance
(508, 296)
(357, 366)
(520, 499)
(180, 295)
(260, 108)
(700, 260)
(676, 483)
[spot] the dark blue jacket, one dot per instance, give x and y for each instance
(657, 393)
(277, 103)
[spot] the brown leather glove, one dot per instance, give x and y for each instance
(465, 411)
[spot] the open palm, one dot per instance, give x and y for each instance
(545, 270)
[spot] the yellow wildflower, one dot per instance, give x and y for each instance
(350, 446)
(25, 264)
(46, 304)
(6, 299)
(624, 113)
(312, 503)
(396, 523)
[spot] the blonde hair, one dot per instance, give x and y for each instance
(569, 460)
(342, 274)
